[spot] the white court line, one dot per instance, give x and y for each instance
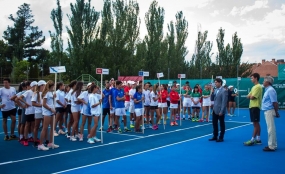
(91, 147)
(124, 134)
(134, 154)
(8, 132)
(169, 131)
(239, 122)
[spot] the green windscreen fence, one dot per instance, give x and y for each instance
(243, 87)
(281, 72)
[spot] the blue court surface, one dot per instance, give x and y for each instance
(179, 149)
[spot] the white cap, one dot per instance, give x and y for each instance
(178, 84)
(34, 83)
(231, 86)
(132, 82)
(41, 82)
(89, 84)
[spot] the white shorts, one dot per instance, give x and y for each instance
(206, 104)
(120, 112)
(173, 106)
(139, 112)
(75, 108)
(39, 116)
(112, 111)
(187, 102)
(132, 109)
(127, 105)
(162, 105)
(96, 115)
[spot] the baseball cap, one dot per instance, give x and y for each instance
(231, 86)
(132, 82)
(89, 84)
(41, 82)
(34, 83)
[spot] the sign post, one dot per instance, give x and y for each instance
(159, 75)
(102, 71)
(180, 76)
(54, 70)
(143, 74)
(238, 80)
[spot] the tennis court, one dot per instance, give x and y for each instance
(179, 149)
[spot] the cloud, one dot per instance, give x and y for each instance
(267, 49)
(245, 9)
(215, 13)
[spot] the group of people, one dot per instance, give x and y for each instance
(268, 103)
(38, 104)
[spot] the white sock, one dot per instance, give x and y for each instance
(252, 139)
(29, 135)
(132, 122)
(183, 116)
(258, 138)
(21, 136)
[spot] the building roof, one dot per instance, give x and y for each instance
(267, 68)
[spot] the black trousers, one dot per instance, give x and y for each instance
(216, 119)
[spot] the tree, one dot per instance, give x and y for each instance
(229, 57)
(24, 38)
(201, 60)
(242, 69)
(56, 37)
(6, 68)
(82, 32)
(181, 28)
(154, 20)
(20, 70)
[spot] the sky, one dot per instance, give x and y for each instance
(259, 23)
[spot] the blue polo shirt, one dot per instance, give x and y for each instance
(138, 96)
(120, 93)
(113, 97)
(269, 97)
(107, 93)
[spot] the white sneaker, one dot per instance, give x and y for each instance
(52, 145)
(96, 139)
(55, 134)
(77, 136)
(90, 141)
(81, 137)
(61, 132)
(42, 147)
(72, 138)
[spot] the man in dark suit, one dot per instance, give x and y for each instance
(219, 111)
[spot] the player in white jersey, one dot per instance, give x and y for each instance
(49, 114)
(132, 104)
(85, 111)
(8, 108)
(71, 86)
(75, 109)
(60, 107)
(146, 94)
(29, 112)
(37, 103)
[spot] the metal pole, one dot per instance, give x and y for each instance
(180, 103)
(54, 116)
(101, 116)
(59, 73)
